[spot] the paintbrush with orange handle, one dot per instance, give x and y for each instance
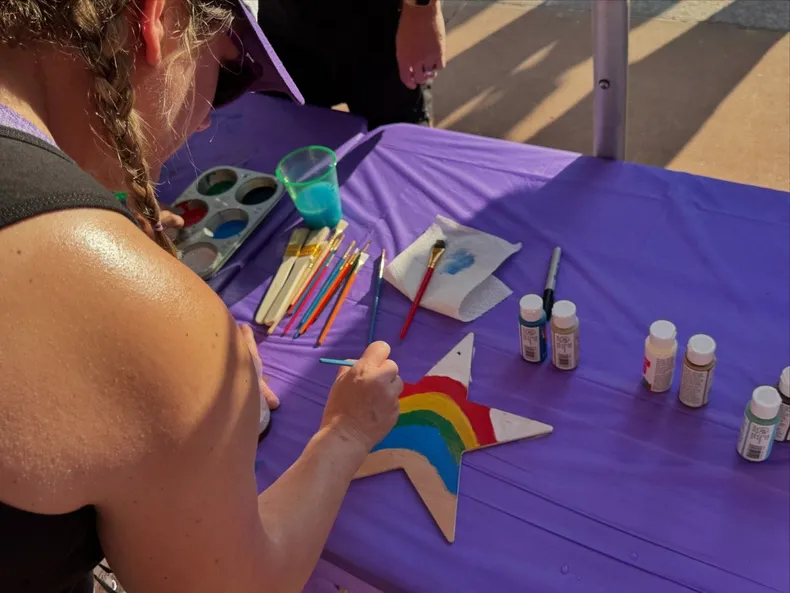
(342, 298)
(332, 289)
(326, 257)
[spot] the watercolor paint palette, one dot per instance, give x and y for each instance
(221, 209)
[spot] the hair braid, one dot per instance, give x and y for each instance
(104, 46)
(99, 31)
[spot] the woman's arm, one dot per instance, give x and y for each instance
(298, 510)
(173, 481)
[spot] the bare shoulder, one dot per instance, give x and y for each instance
(115, 358)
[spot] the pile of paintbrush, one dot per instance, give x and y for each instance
(306, 261)
(306, 253)
(339, 282)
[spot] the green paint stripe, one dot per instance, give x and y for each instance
(445, 427)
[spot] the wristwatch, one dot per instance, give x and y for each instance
(419, 2)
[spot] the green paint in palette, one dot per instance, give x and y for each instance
(220, 187)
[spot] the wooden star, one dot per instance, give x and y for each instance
(436, 426)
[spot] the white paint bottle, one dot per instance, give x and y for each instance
(759, 424)
(661, 348)
(564, 336)
(696, 377)
(783, 428)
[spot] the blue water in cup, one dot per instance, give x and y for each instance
(319, 205)
(310, 177)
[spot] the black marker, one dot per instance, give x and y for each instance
(551, 281)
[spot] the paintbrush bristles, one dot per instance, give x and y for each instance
(349, 250)
(436, 252)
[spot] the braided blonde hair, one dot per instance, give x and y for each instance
(99, 31)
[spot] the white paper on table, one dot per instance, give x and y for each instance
(463, 286)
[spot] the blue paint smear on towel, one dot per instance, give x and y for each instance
(457, 261)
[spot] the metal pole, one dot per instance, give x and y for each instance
(610, 66)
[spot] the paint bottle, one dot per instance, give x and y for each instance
(264, 418)
(759, 424)
(564, 336)
(783, 428)
(661, 348)
(696, 377)
(532, 324)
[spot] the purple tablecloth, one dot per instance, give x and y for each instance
(633, 492)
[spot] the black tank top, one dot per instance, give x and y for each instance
(46, 553)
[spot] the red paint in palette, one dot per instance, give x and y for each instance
(192, 211)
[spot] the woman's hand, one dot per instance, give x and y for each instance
(170, 220)
(363, 402)
(268, 394)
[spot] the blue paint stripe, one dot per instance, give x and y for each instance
(428, 442)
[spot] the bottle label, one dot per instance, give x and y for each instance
(657, 372)
(694, 386)
(783, 428)
(533, 343)
(756, 440)
(565, 350)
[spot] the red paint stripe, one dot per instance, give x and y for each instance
(479, 415)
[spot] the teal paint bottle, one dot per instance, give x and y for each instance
(759, 424)
(532, 325)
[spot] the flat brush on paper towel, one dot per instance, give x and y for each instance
(342, 298)
(329, 247)
(327, 283)
(349, 265)
(309, 251)
(311, 286)
(436, 253)
(382, 264)
(295, 243)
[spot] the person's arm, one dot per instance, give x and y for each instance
(420, 41)
(173, 481)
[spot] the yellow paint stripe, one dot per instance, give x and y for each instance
(446, 408)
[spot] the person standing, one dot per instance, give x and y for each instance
(378, 56)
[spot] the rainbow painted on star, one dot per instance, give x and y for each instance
(436, 426)
(439, 423)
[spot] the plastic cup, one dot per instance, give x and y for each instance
(310, 176)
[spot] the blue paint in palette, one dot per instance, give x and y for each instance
(457, 261)
(428, 442)
(229, 229)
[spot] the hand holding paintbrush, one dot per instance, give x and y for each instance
(436, 253)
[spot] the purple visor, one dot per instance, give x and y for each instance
(258, 68)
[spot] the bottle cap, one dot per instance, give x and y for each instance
(563, 315)
(765, 402)
(701, 349)
(531, 307)
(662, 334)
(784, 382)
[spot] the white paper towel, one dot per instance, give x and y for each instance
(463, 286)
